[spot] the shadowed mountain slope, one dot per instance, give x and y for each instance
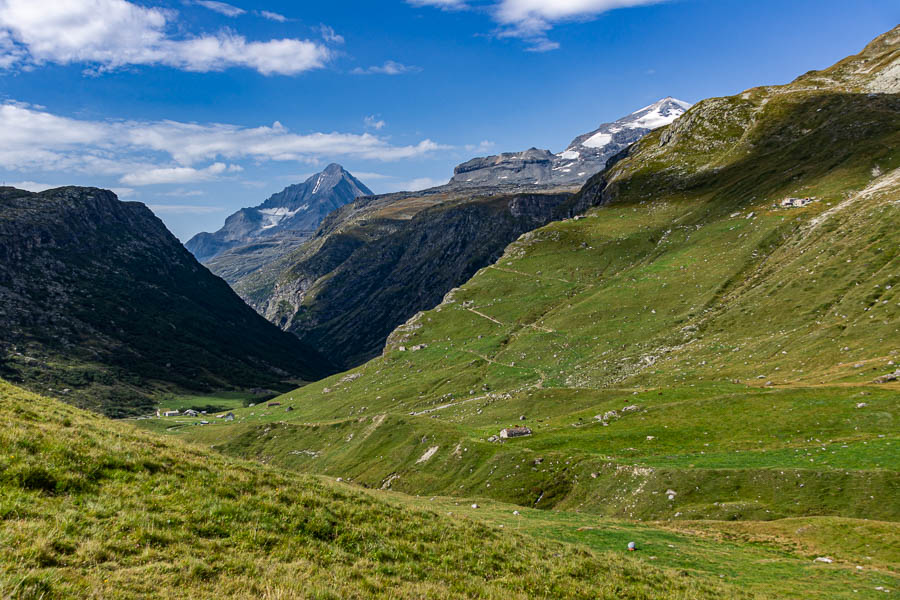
(100, 304)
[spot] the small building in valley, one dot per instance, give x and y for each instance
(795, 202)
(511, 432)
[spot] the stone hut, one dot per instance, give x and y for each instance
(511, 432)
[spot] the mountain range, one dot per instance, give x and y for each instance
(678, 380)
(380, 259)
(584, 157)
(688, 346)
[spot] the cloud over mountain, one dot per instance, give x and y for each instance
(151, 152)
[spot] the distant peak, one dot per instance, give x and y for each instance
(334, 168)
(662, 102)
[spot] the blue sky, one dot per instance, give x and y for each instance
(198, 108)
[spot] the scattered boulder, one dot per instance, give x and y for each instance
(888, 377)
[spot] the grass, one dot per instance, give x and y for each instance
(770, 559)
(217, 402)
(94, 508)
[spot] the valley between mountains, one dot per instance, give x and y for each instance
(682, 331)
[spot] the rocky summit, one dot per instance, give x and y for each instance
(587, 155)
(292, 214)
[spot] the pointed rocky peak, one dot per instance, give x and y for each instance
(333, 176)
(296, 210)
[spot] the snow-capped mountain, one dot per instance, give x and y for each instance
(588, 153)
(585, 156)
(296, 211)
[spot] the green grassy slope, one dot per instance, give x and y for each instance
(90, 508)
(746, 335)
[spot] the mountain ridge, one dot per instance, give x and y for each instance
(585, 156)
(103, 304)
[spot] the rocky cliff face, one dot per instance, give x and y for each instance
(292, 214)
(100, 303)
(531, 167)
(377, 262)
(585, 156)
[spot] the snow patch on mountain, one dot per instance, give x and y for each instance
(273, 216)
(598, 140)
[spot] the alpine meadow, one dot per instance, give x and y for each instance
(661, 361)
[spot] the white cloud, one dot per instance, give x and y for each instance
(272, 16)
(530, 20)
(221, 7)
(188, 143)
(183, 209)
(184, 193)
(33, 186)
(374, 122)
(388, 68)
(363, 175)
(481, 147)
(178, 174)
(329, 35)
(443, 4)
(109, 34)
(151, 152)
(123, 192)
(415, 185)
